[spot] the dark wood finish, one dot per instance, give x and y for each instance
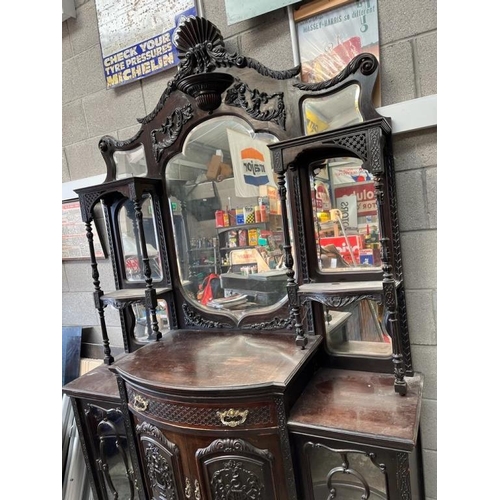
(212, 405)
(370, 142)
(101, 423)
(99, 383)
(348, 413)
(195, 390)
(362, 405)
(215, 362)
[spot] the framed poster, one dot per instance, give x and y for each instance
(136, 37)
(75, 245)
(331, 32)
(237, 11)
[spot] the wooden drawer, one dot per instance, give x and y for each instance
(214, 415)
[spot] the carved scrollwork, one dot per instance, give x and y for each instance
(253, 102)
(233, 446)
(366, 63)
(108, 142)
(233, 481)
(338, 301)
(171, 128)
(345, 467)
(201, 49)
(159, 472)
(274, 324)
(192, 318)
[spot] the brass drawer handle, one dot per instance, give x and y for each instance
(233, 418)
(140, 404)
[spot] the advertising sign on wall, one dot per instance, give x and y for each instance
(75, 244)
(136, 37)
(328, 41)
(237, 11)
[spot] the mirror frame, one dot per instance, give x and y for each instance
(212, 82)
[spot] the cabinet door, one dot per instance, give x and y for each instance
(161, 463)
(234, 468)
(109, 457)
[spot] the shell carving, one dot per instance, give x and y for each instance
(195, 39)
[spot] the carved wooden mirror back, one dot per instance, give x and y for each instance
(230, 139)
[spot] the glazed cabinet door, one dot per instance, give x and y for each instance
(350, 471)
(161, 463)
(234, 468)
(108, 455)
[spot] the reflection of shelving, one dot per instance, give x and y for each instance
(241, 226)
(246, 247)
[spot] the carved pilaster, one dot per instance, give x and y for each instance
(403, 476)
(285, 448)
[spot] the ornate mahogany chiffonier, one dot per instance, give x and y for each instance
(253, 231)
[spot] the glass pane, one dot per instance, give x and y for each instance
(130, 163)
(331, 112)
(357, 330)
(350, 471)
(345, 216)
(143, 330)
(107, 428)
(129, 233)
(227, 218)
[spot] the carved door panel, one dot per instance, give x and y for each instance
(161, 461)
(235, 469)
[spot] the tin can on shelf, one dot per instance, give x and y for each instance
(253, 237)
(240, 217)
(219, 218)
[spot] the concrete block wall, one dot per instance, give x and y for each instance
(408, 35)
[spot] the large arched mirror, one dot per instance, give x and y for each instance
(227, 218)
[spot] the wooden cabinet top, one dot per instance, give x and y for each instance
(359, 406)
(214, 362)
(99, 383)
